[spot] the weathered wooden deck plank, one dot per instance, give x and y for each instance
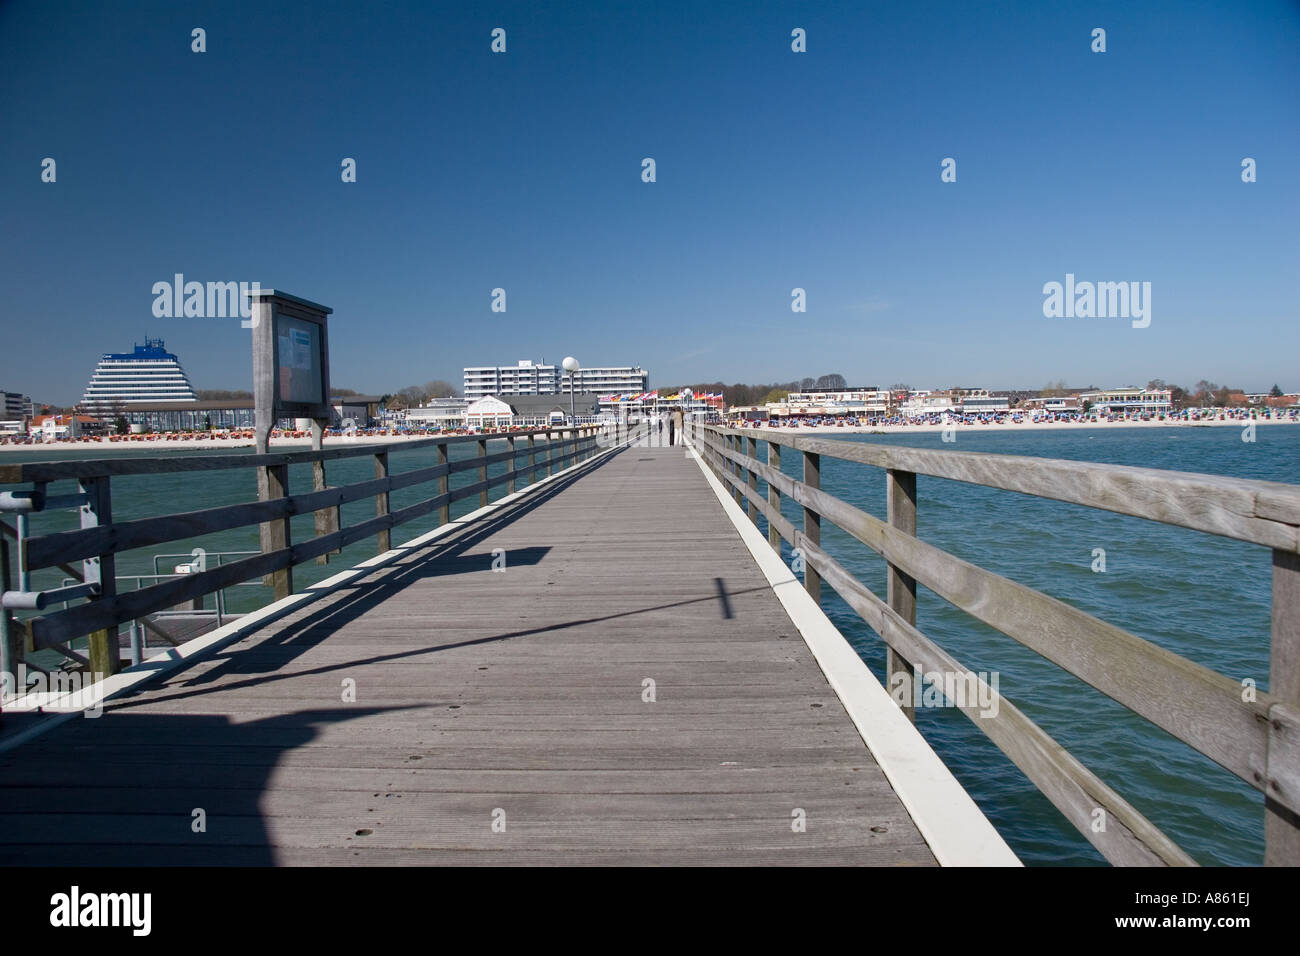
(478, 690)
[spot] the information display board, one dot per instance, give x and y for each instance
(291, 377)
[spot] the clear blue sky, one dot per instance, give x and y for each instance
(775, 170)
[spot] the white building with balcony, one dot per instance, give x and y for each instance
(526, 377)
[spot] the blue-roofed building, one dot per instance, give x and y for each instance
(148, 375)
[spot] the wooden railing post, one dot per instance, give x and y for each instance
(326, 519)
(384, 540)
(273, 482)
(550, 451)
(444, 512)
(11, 642)
(735, 445)
(900, 505)
(753, 478)
(1282, 825)
(103, 653)
(482, 471)
(510, 466)
(532, 459)
(812, 523)
(773, 495)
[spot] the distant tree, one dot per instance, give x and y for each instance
(775, 395)
(207, 423)
(412, 395)
(440, 389)
(1203, 391)
(120, 426)
(831, 382)
(1275, 392)
(1222, 397)
(807, 384)
(223, 395)
(1178, 397)
(1156, 384)
(1087, 405)
(1053, 389)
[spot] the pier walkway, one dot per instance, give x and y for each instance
(596, 670)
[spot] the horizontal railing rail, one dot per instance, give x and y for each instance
(100, 538)
(1254, 735)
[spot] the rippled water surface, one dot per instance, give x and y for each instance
(1201, 596)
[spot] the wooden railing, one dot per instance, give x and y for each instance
(1252, 733)
(94, 545)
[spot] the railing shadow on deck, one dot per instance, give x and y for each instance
(1253, 734)
(446, 556)
(101, 538)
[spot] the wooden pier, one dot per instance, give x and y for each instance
(609, 664)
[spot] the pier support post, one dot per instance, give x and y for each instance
(812, 523)
(1281, 824)
(900, 503)
(444, 511)
(384, 539)
(482, 472)
(102, 650)
(752, 478)
(773, 495)
(273, 482)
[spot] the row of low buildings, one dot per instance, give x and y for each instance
(515, 411)
(871, 402)
(148, 388)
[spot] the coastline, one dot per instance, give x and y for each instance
(164, 445)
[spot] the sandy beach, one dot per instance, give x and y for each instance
(960, 427)
(199, 442)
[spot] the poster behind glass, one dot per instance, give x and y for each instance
(299, 353)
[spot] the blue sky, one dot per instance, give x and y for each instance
(775, 170)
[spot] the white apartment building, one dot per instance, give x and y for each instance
(526, 377)
(975, 401)
(921, 403)
(16, 406)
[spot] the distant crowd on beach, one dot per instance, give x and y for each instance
(1021, 418)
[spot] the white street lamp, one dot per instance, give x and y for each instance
(570, 365)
